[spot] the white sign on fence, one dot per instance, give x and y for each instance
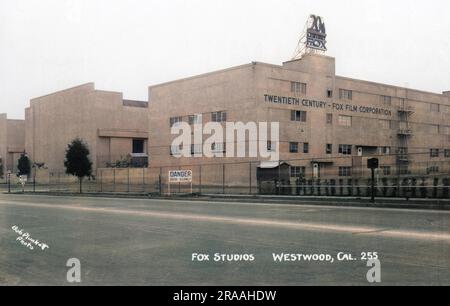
(180, 176)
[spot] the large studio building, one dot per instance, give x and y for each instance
(329, 125)
(114, 129)
(12, 143)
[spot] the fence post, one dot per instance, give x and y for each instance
(279, 177)
(223, 178)
(200, 179)
(159, 184)
(101, 181)
(160, 181)
(143, 179)
(250, 178)
(114, 179)
(128, 179)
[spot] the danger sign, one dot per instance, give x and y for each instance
(180, 176)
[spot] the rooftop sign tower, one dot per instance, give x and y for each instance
(313, 39)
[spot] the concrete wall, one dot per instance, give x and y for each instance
(54, 120)
(240, 92)
(12, 142)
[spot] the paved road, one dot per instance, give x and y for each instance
(150, 242)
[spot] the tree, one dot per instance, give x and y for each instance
(24, 165)
(77, 161)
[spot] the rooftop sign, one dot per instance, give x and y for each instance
(316, 34)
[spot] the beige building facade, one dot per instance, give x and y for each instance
(113, 128)
(329, 125)
(12, 143)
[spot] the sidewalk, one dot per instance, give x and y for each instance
(415, 203)
(442, 204)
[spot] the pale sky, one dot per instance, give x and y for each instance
(127, 45)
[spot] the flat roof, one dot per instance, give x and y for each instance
(284, 68)
(91, 84)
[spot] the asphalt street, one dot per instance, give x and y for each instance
(152, 242)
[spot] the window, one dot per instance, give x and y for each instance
(293, 147)
(403, 169)
(219, 117)
(218, 147)
(434, 107)
(345, 94)
(195, 119)
(329, 93)
(138, 146)
(329, 118)
(345, 171)
(402, 150)
(270, 146)
(345, 149)
(175, 150)
(345, 120)
(402, 153)
(432, 169)
(386, 170)
(329, 148)
(386, 100)
(298, 171)
(448, 138)
(385, 150)
(196, 149)
(385, 124)
(175, 120)
(434, 152)
(306, 148)
(298, 88)
(298, 116)
(447, 152)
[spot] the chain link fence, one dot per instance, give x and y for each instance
(290, 177)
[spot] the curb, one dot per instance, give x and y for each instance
(427, 204)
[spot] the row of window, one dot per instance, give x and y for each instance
(298, 172)
(344, 149)
(301, 116)
(346, 94)
(293, 147)
(198, 149)
(197, 118)
(342, 171)
(436, 152)
(301, 88)
(344, 120)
